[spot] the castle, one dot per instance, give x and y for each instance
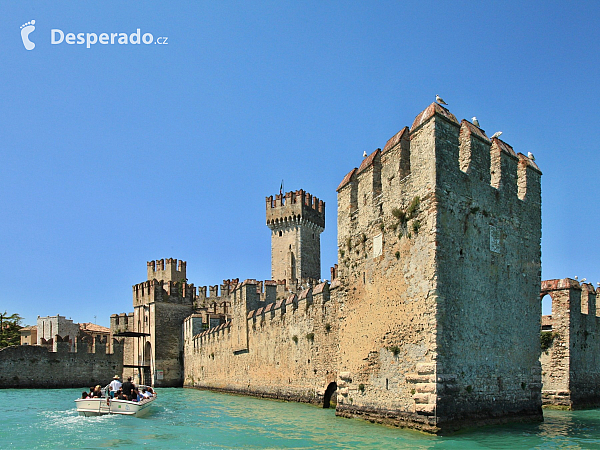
(432, 316)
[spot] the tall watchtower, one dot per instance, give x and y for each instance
(439, 260)
(296, 220)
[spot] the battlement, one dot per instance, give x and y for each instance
(121, 322)
(167, 270)
(571, 296)
(163, 291)
(264, 312)
(445, 148)
(212, 293)
(295, 207)
(570, 366)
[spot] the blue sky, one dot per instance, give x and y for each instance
(115, 155)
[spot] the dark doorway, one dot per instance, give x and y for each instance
(328, 393)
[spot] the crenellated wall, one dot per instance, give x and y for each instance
(284, 348)
(167, 270)
(32, 366)
(571, 363)
(439, 254)
(432, 318)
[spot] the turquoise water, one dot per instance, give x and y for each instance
(189, 419)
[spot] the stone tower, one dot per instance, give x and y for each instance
(439, 260)
(160, 305)
(296, 220)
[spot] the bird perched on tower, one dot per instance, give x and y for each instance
(530, 156)
(496, 134)
(440, 100)
(475, 121)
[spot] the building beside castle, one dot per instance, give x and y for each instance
(432, 311)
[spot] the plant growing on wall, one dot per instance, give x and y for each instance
(394, 349)
(416, 226)
(404, 216)
(413, 208)
(547, 339)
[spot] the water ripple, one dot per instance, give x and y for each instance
(186, 418)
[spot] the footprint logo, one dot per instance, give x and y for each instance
(26, 30)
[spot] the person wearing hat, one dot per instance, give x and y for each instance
(115, 385)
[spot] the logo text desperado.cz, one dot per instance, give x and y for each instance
(58, 36)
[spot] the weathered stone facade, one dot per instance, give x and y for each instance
(296, 221)
(571, 359)
(284, 348)
(55, 366)
(439, 241)
(432, 320)
(160, 305)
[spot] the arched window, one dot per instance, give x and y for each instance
(546, 305)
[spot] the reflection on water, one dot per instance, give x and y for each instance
(185, 418)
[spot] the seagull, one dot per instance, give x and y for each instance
(576, 277)
(530, 156)
(364, 154)
(440, 100)
(582, 280)
(475, 121)
(496, 134)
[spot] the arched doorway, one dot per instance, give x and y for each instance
(331, 388)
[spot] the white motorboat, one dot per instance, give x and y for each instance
(106, 405)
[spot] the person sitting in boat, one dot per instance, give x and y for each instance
(98, 391)
(146, 394)
(135, 395)
(91, 394)
(115, 385)
(84, 394)
(127, 388)
(152, 393)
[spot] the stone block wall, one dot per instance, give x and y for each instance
(296, 220)
(488, 240)
(571, 363)
(124, 323)
(29, 366)
(286, 349)
(439, 263)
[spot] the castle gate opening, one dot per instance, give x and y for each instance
(331, 388)
(147, 373)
